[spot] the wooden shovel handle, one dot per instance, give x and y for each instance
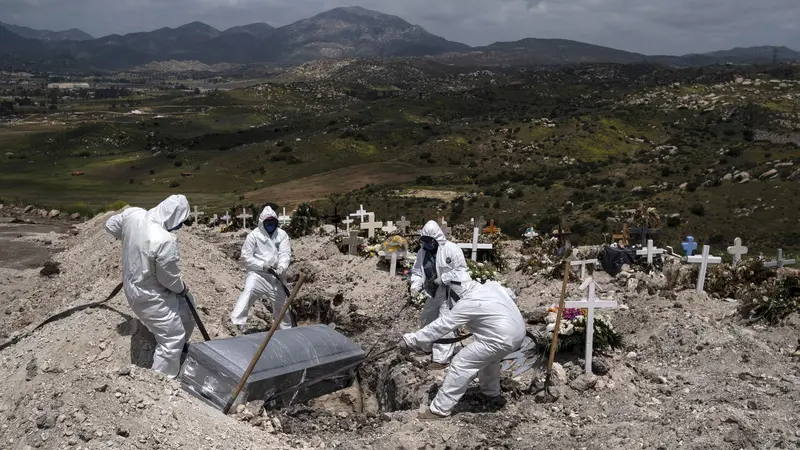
(560, 312)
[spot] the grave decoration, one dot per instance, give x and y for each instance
(361, 213)
(305, 220)
(371, 226)
(689, 246)
(779, 261)
(445, 228)
(622, 238)
(394, 249)
(334, 219)
(572, 335)
(482, 273)
(403, 224)
(196, 215)
(542, 258)
(737, 250)
(474, 246)
(582, 264)
(588, 305)
(283, 219)
(243, 217)
(704, 260)
(489, 245)
(650, 250)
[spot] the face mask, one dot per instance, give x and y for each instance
(177, 228)
(270, 228)
(429, 245)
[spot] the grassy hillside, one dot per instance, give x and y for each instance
(581, 145)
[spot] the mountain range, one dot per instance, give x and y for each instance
(347, 32)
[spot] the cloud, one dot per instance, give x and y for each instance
(647, 26)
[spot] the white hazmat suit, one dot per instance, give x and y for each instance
(261, 251)
(498, 328)
(424, 274)
(152, 277)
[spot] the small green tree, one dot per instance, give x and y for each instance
(304, 220)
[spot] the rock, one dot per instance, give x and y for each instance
(45, 421)
(220, 289)
(31, 370)
(86, 435)
(583, 383)
(122, 432)
(768, 174)
(75, 216)
(538, 315)
(601, 366)
(631, 355)
(124, 371)
(276, 424)
(328, 230)
(637, 189)
(741, 176)
(795, 176)
(27, 209)
(728, 177)
(545, 397)
(53, 213)
(50, 268)
(559, 375)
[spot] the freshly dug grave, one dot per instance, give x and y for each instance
(691, 375)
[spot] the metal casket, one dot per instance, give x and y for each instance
(213, 369)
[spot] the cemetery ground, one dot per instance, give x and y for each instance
(713, 149)
(691, 373)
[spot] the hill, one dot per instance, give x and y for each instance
(73, 34)
(260, 30)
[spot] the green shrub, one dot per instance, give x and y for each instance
(304, 220)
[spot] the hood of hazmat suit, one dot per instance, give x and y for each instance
(432, 229)
(152, 276)
(267, 213)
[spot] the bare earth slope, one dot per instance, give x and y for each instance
(691, 376)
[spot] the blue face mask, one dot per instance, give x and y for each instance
(177, 228)
(270, 228)
(429, 245)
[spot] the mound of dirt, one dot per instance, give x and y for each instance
(691, 375)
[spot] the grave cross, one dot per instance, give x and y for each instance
(480, 223)
(360, 213)
(336, 219)
(491, 229)
(590, 302)
(403, 224)
(445, 228)
(583, 264)
(393, 258)
(560, 234)
(689, 246)
(283, 219)
(244, 216)
(475, 246)
(196, 214)
(347, 223)
(227, 218)
(737, 250)
(353, 243)
(622, 238)
(779, 262)
(389, 228)
(704, 261)
(371, 225)
(214, 220)
(650, 251)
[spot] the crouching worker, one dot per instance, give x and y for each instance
(498, 328)
(266, 255)
(152, 278)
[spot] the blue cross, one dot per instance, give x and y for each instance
(689, 246)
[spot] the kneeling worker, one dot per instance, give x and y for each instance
(266, 255)
(491, 316)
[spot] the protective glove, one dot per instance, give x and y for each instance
(279, 270)
(403, 347)
(185, 290)
(267, 266)
(438, 281)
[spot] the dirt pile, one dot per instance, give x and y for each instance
(692, 374)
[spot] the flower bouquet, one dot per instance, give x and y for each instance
(482, 272)
(572, 333)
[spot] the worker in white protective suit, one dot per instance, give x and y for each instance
(425, 278)
(496, 323)
(152, 277)
(266, 255)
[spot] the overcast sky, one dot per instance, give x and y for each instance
(646, 26)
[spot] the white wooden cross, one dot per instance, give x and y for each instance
(283, 219)
(244, 216)
(779, 262)
(389, 228)
(214, 220)
(360, 213)
(371, 226)
(704, 260)
(445, 228)
(737, 250)
(650, 251)
(475, 246)
(480, 223)
(196, 214)
(583, 264)
(227, 218)
(590, 302)
(353, 243)
(403, 224)
(394, 257)
(347, 222)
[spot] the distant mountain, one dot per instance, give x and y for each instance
(354, 32)
(47, 35)
(348, 32)
(259, 30)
